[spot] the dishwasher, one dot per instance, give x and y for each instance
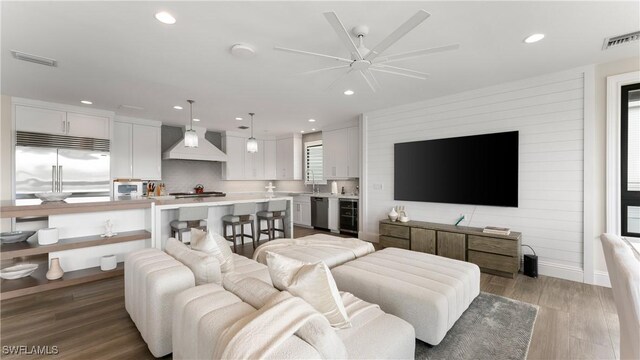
(320, 212)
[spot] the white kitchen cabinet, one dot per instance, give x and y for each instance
(33, 119)
(335, 147)
(235, 148)
(334, 214)
(136, 151)
(270, 158)
(57, 122)
(289, 158)
(121, 150)
(254, 162)
(83, 125)
(146, 154)
(341, 149)
(302, 210)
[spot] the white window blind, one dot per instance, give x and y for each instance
(313, 162)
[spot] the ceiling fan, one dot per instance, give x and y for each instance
(365, 61)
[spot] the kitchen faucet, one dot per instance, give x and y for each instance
(313, 180)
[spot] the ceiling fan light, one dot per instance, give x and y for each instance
(190, 139)
(534, 38)
(252, 145)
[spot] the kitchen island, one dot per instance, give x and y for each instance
(167, 210)
(137, 224)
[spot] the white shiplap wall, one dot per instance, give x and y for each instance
(548, 113)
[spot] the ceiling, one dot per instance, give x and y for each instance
(117, 53)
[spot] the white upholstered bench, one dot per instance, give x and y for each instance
(428, 291)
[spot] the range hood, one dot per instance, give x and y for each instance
(205, 151)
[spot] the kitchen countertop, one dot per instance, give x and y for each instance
(9, 209)
(219, 200)
(327, 195)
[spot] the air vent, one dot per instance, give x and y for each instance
(24, 138)
(243, 127)
(625, 39)
(34, 58)
(131, 107)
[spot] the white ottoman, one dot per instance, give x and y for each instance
(428, 291)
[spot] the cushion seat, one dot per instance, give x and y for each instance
(177, 224)
(234, 218)
(430, 292)
(267, 214)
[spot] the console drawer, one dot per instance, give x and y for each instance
(493, 245)
(494, 261)
(398, 231)
(387, 241)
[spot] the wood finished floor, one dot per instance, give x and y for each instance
(575, 320)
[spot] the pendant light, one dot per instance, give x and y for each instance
(190, 136)
(252, 144)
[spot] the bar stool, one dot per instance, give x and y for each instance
(276, 210)
(241, 216)
(189, 218)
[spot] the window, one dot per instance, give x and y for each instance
(313, 163)
(630, 160)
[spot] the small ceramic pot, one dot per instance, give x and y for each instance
(108, 262)
(55, 271)
(393, 215)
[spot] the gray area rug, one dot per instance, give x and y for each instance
(493, 327)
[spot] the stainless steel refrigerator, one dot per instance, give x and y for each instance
(82, 171)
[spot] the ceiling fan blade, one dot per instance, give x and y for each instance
(420, 74)
(398, 73)
(338, 79)
(409, 25)
(301, 52)
(416, 53)
(322, 70)
(370, 79)
(342, 33)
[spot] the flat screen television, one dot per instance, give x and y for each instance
(477, 170)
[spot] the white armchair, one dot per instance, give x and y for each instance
(624, 274)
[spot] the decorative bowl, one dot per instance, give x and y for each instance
(15, 236)
(52, 196)
(18, 271)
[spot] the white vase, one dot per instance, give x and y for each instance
(393, 215)
(55, 271)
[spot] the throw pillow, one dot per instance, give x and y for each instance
(311, 282)
(205, 267)
(214, 244)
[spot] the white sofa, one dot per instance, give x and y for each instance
(624, 273)
(152, 280)
(430, 292)
(204, 313)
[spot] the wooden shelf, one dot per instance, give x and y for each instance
(10, 251)
(38, 282)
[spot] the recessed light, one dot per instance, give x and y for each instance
(238, 118)
(534, 38)
(312, 120)
(178, 107)
(86, 102)
(302, 131)
(313, 129)
(349, 92)
(165, 18)
(196, 119)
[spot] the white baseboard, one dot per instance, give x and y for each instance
(601, 278)
(561, 271)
